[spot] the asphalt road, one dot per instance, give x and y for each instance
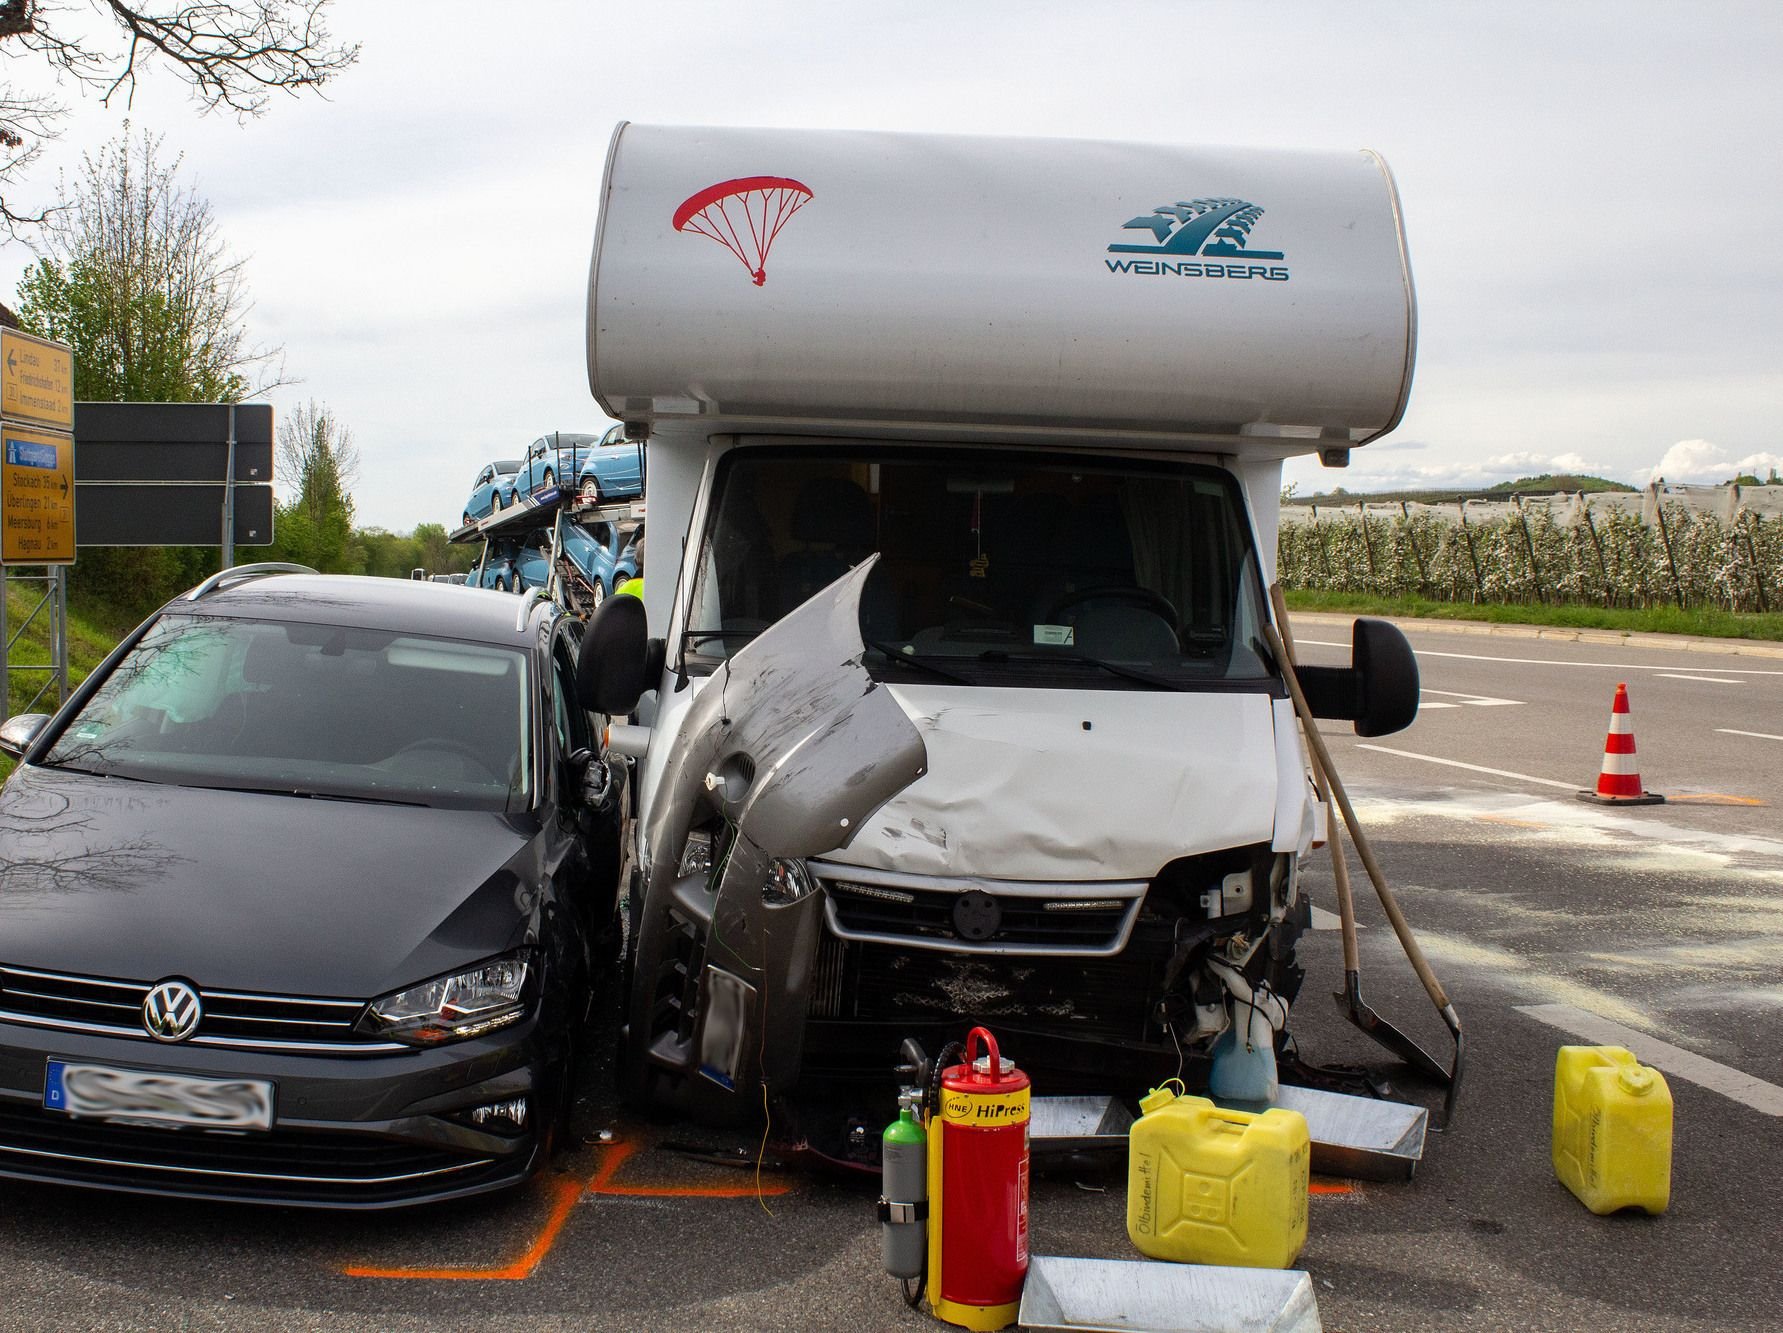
(1666, 921)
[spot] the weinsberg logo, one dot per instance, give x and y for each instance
(1199, 238)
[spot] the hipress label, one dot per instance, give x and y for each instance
(980, 1110)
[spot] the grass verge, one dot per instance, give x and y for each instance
(88, 643)
(1654, 620)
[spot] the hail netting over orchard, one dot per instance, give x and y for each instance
(1696, 546)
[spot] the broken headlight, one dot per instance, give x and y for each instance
(786, 882)
(463, 1004)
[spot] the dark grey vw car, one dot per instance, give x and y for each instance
(302, 897)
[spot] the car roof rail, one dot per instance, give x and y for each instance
(241, 573)
(527, 598)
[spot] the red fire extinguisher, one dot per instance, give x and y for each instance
(978, 1190)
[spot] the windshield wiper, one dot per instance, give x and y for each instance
(316, 795)
(1112, 668)
(915, 663)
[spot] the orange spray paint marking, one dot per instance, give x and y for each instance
(1330, 1187)
(564, 1194)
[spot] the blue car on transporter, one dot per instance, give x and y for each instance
(602, 468)
(492, 491)
(602, 555)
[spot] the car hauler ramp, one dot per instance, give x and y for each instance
(800, 281)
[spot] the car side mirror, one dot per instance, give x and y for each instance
(618, 660)
(1378, 691)
(17, 733)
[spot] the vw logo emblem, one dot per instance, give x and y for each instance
(170, 1012)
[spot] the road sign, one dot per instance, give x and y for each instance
(36, 497)
(36, 380)
(151, 515)
(172, 441)
(160, 474)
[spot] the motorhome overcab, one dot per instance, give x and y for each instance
(958, 706)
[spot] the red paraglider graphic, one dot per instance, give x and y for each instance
(744, 216)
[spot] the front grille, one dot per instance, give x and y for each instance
(234, 1019)
(1101, 998)
(1037, 919)
(284, 1165)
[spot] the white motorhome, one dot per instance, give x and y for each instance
(951, 693)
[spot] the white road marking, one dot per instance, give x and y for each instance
(1321, 643)
(1761, 735)
(1472, 768)
(1425, 705)
(1546, 662)
(1323, 920)
(1766, 1098)
(1474, 700)
(1707, 680)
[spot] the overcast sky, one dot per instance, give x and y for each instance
(1592, 193)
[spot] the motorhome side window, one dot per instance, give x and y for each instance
(995, 568)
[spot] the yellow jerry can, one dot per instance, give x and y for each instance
(1211, 1186)
(1612, 1129)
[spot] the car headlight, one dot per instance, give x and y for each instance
(451, 1008)
(786, 882)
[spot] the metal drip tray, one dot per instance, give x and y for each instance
(1123, 1296)
(1360, 1137)
(1074, 1124)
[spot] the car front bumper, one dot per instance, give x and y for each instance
(348, 1131)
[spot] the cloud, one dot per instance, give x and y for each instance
(1708, 463)
(1523, 462)
(1373, 473)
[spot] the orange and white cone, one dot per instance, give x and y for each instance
(1619, 782)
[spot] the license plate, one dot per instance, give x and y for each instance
(141, 1097)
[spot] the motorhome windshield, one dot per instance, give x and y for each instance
(995, 568)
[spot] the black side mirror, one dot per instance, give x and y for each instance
(1378, 691)
(618, 660)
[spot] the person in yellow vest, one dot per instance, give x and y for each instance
(634, 587)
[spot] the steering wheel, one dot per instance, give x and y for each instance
(1129, 594)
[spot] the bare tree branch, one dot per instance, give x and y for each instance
(233, 54)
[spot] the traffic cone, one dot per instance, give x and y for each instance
(1619, 782)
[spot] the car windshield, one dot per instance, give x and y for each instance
(995, 569)
(310, 710)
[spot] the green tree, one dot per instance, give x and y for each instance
(319, 461)
(138, 280)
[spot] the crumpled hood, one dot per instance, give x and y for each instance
(1075, 784)
(107, 877)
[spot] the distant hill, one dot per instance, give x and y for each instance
(1549, 483)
